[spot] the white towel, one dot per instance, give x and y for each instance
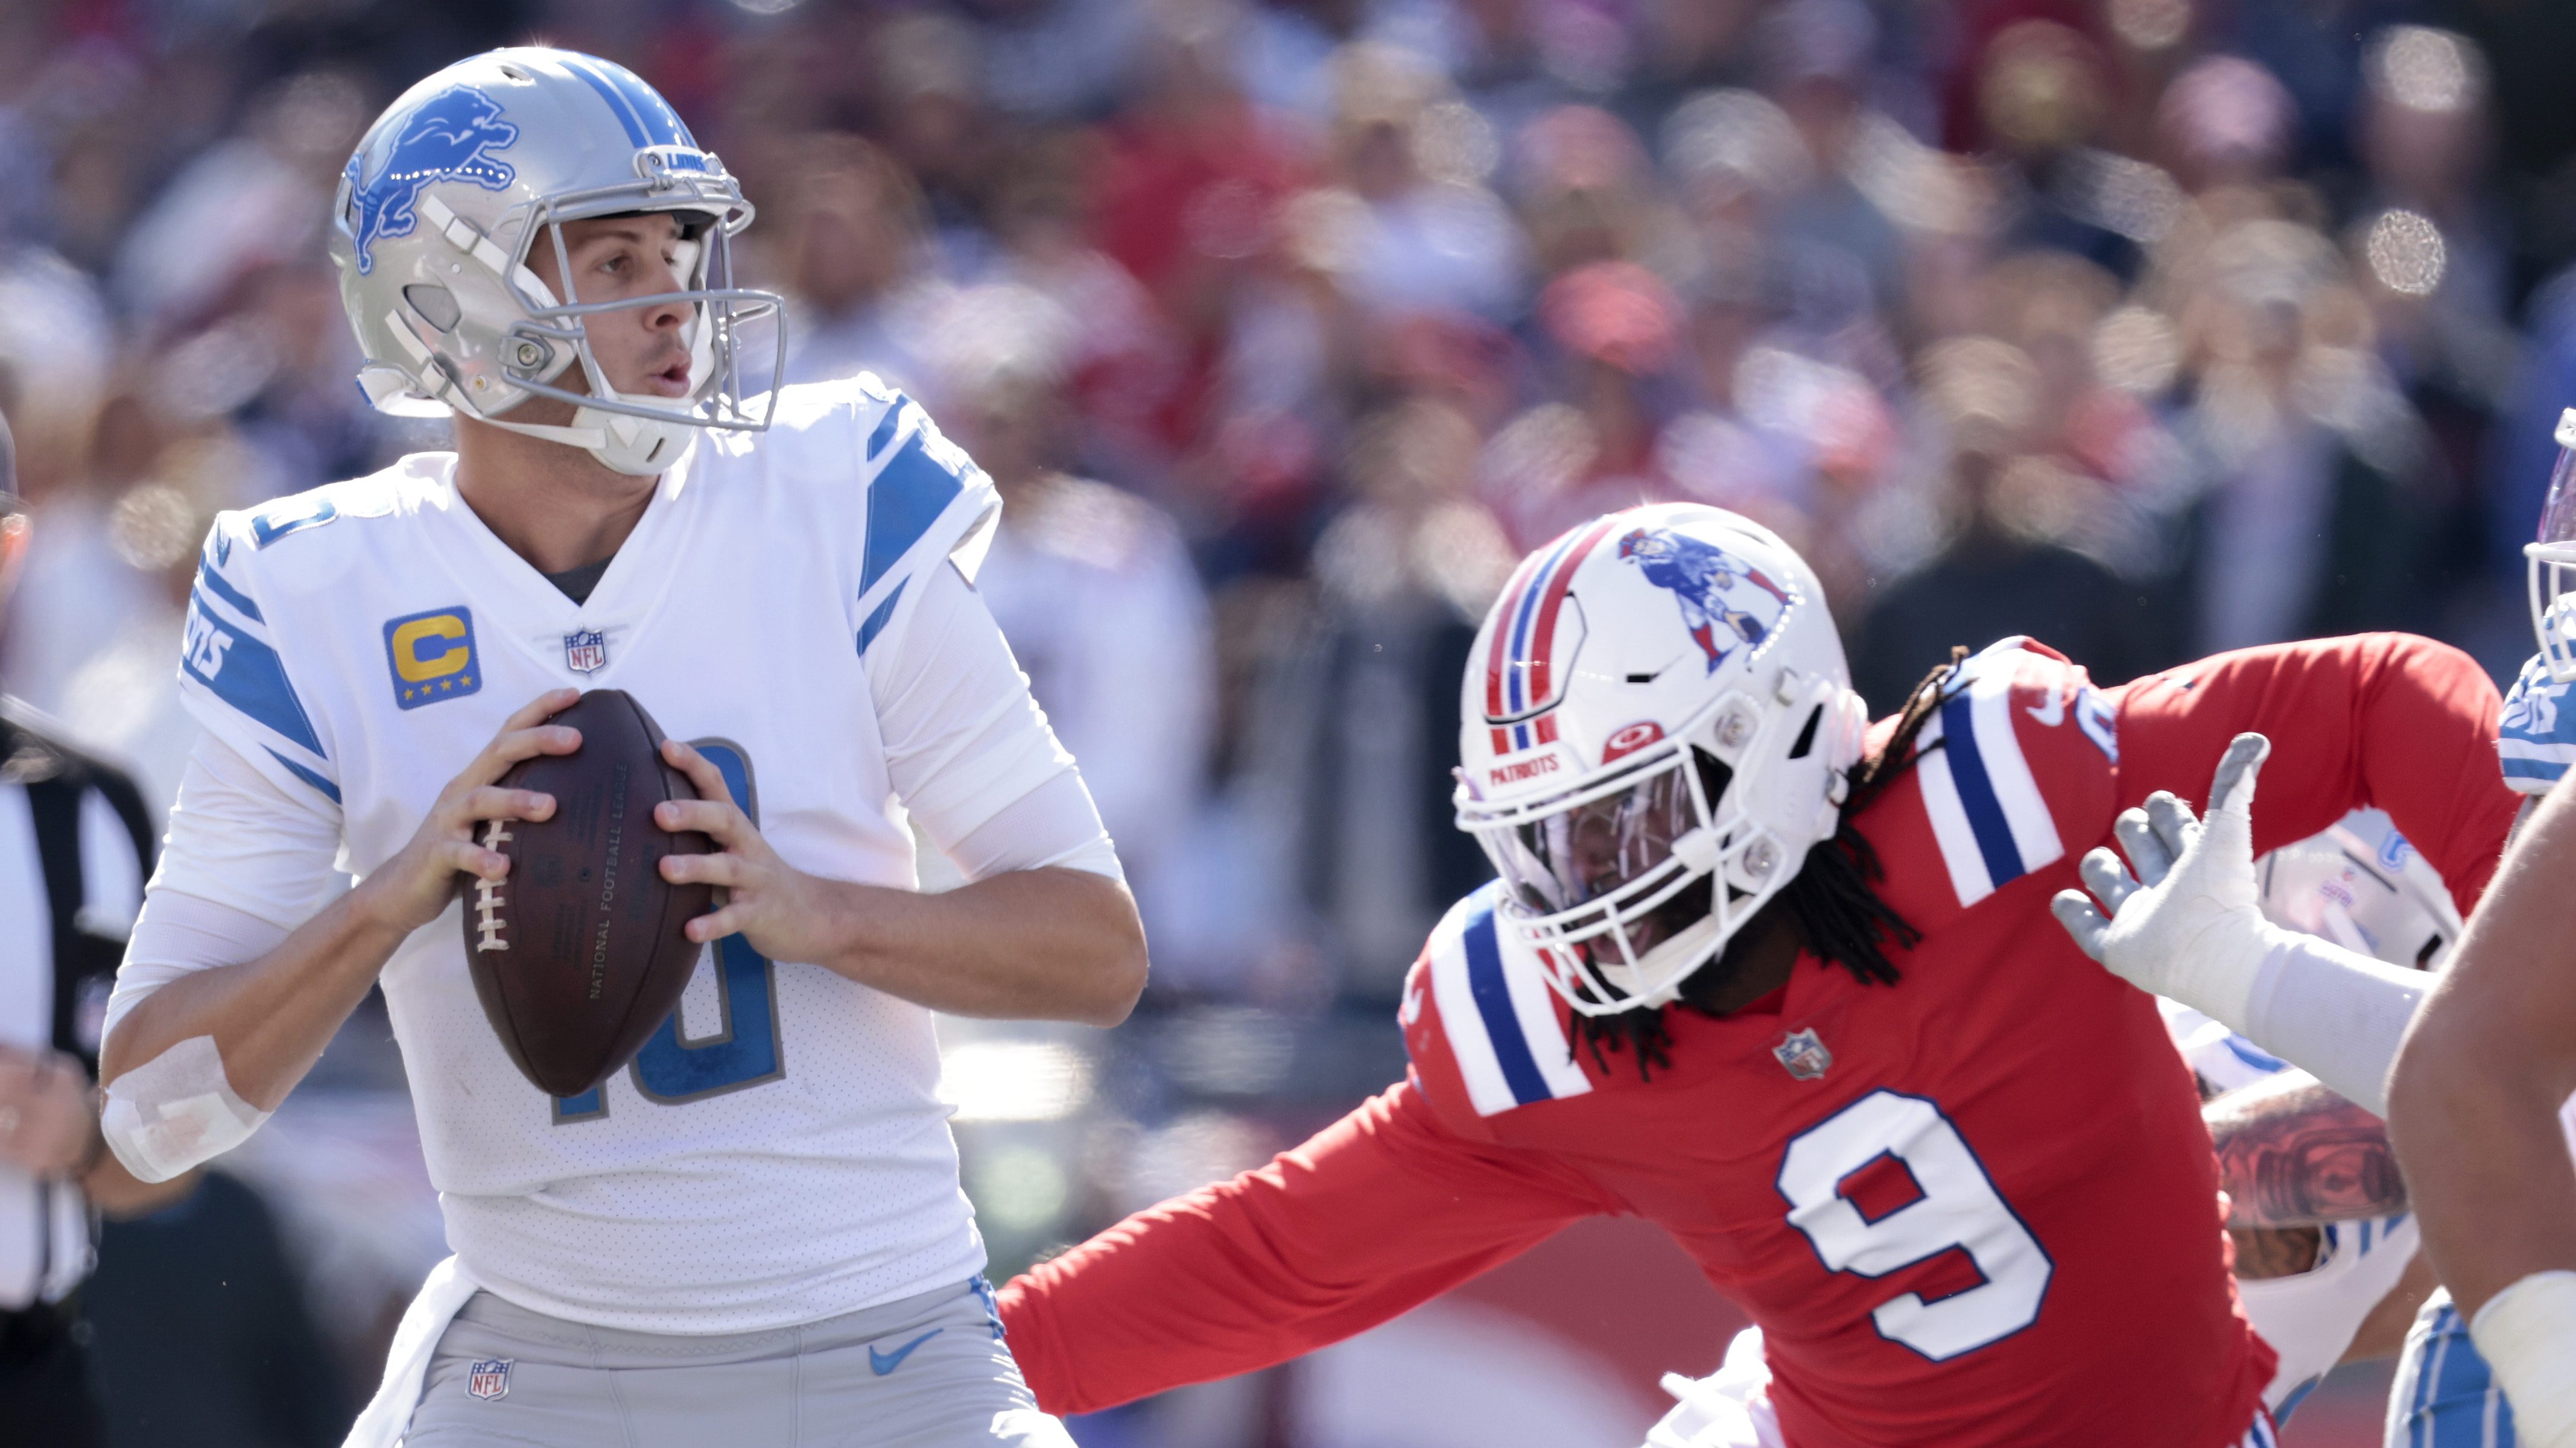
(388, 1414)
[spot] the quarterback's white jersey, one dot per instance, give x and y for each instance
(777, 1154)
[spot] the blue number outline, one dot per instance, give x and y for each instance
(1984, 1277)
(738, 965)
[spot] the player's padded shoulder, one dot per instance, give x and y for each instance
(2014, 772)
(921, 496)
(1485, 1032)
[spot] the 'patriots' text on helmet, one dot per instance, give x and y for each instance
(469, 170)
(1658, 726)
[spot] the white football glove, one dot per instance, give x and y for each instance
(2193, 932)
(2187, 925)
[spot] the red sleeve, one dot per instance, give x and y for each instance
(2391, 720)
(1376, 1214)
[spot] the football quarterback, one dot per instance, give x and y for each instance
(757, 1222)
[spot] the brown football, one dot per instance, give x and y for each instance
(580, 952)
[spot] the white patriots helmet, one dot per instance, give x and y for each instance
(484, 160)
(2362, 886)
(1658, 725)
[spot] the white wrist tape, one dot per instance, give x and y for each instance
(2333, 1012)
(2527, 1334)
(176, 1111)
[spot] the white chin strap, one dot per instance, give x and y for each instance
(636, 446)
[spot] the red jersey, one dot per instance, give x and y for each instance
(1974, 1207)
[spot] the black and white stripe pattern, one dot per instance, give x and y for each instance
(74, 851)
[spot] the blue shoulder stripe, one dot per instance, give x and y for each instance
(883, 615)
(1977, 792)
(216, 585)
(886, 425)
(907, 495)
(247, 674)
(308, 776)
(1494, 1004)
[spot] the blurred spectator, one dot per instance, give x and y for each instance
(2043, 93)
(245, 202)
(1361, 720)
(1121, 362)
(935, 126)
(1423, 237)
(2017, 498)
(1616, 330)
(1845, 259)
(854, 254)
(2311, 515)
(2432, 250)
(1090, 584)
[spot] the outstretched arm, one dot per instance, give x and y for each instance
(1374, 1215)
(2474, 1105)
(2187, 926)
(2391, 720)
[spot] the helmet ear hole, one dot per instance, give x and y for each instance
(1714, 776)
(1807, 735)
(436, 305)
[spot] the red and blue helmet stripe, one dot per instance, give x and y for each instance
(1522, 680)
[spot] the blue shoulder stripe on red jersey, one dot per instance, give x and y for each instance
(1497, 1015)
(1494, 1005)
(1993, 824)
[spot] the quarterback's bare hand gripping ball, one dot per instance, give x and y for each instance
(780, 909)
(2188, 926)
(414, 887)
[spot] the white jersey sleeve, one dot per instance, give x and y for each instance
(231, 676)
(969, 751)
(246, 861)
(963, 739)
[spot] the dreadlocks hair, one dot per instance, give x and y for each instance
(1832, 902)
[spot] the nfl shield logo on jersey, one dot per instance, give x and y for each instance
(1803, 1054)
(586, 652)
(489, 1378)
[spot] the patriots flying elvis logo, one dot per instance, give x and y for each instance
(450, 137)
(1725, 600)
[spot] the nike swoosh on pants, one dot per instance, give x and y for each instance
(886, 1362)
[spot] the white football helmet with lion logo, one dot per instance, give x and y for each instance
(1659, 723)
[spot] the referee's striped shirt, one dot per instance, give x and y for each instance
(75, 849)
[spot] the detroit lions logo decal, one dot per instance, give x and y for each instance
(1725, 601)
(451, 137)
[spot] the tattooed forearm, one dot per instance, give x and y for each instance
(2293, 1154)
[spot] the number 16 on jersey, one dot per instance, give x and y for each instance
(1953, 1207)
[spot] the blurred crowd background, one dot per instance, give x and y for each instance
(2148, 327)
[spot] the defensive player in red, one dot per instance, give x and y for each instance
(1787, 985)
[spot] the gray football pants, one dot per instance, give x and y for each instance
(926, 1372)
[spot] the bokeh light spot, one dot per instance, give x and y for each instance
(2405, 252)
